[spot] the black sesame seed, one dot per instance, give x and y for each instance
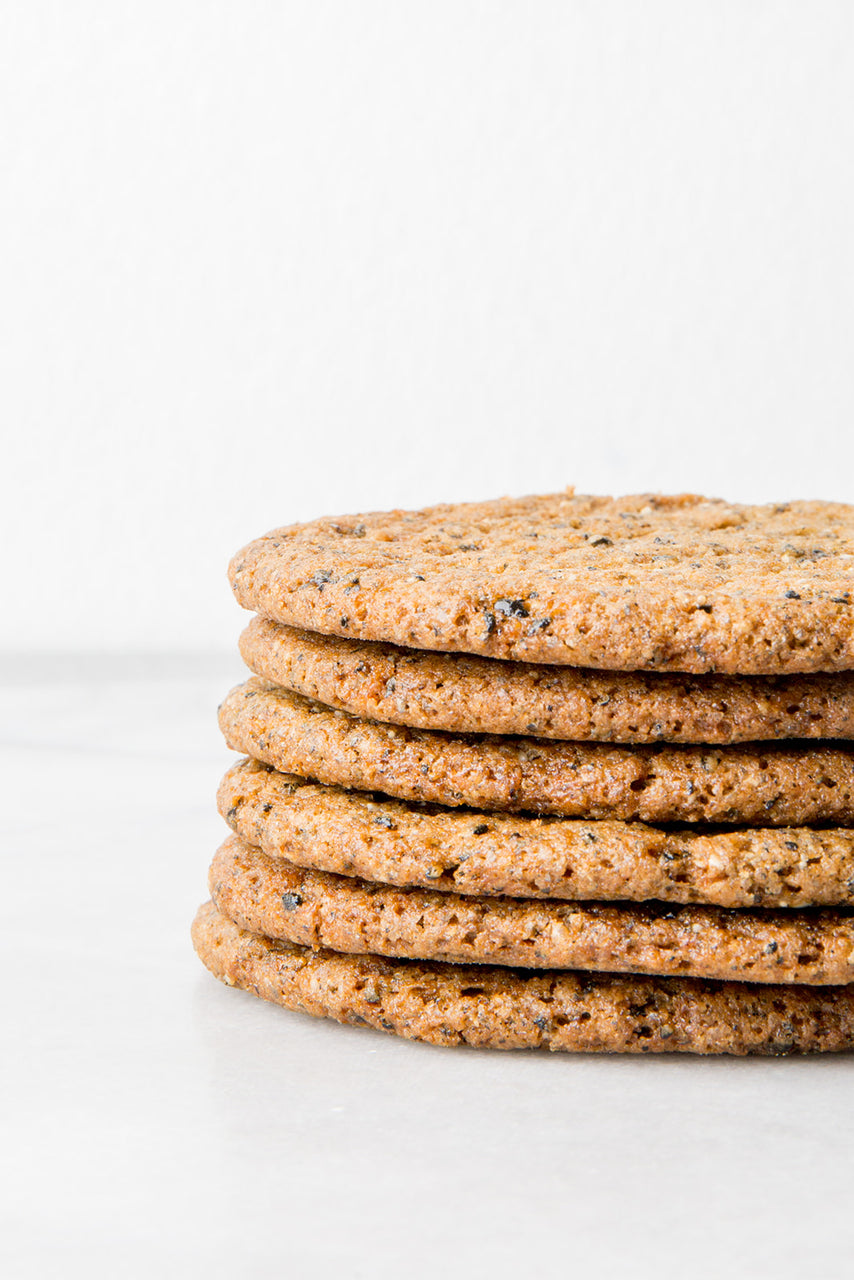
(481, 829)
(792, 595)
(511, 608)
(290, 901)
(384, 821)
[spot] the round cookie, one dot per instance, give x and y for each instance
(492, 1007)
(464, 693)
(312, 908)
(354, 834)
(753, 784)
(657, 583)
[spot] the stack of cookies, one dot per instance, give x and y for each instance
(559, 771)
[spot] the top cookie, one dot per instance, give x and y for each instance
(653, 582)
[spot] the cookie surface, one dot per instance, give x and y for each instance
(313, 908)
(491, 1007)
(350, 833)
(770, 785)
(653, 582)
(463, 693)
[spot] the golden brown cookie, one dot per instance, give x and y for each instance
(768, 785)
(355, 834)
(315, 909)
(461, 693)
(651, 582)
(493, 1007)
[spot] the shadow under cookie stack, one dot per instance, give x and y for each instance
(559, 772)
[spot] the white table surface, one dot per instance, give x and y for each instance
(158, 1123)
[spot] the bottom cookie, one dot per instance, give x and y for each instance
(497, 1008)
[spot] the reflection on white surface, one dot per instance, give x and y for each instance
(159, 1121)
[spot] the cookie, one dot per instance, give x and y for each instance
(354, 834)
(770, 785)
(315, 909)
(498, 1008)
(459, 692)
(656, 583)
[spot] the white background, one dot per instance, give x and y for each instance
(263, 261)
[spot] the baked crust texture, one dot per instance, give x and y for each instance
(754, 784)
(460, 692)
(650, 582)
(468, 852)
(498, 1008)
(315, 909)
